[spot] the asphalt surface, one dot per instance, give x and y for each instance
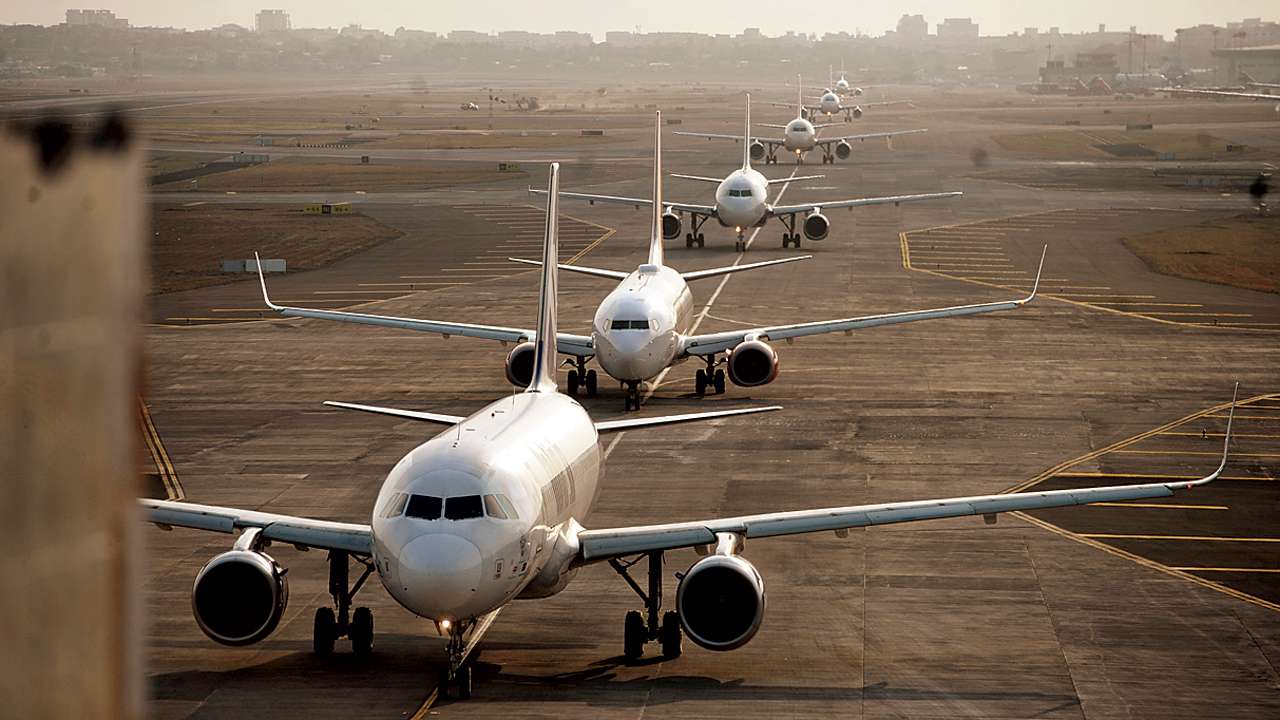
(1032, 617)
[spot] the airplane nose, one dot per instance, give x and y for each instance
(441, 573)
(629, 341)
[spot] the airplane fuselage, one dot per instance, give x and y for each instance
(484, 506)
(638, 327)
(799, 136)
(742, 199)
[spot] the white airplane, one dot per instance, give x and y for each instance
(842, 85)
(742, 201)
(491, 510)
(1224, 94)
(643, 326)
(800, 136)
(830, 105)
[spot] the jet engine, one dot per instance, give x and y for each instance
(239, 596)
(721, 602)
(843, 150)
(816, 225)
(752, 363)
(670, 225)
(520, 364)
(757, 150)
(856, 112)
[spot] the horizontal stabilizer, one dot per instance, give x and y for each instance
(597, 272)
(396, 412)
(716, 272)
(797, 178)
(633, 423)
(699, 178)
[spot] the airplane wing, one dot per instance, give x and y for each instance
(1221, 93)
(605, 426)
(884, 103)
(711, 343)
(578, 345)
(709, 210)
(596, 545)
(868, 136)
(858, 202)
(303, 532)
(736, 138)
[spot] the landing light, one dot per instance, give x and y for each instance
(443, 625)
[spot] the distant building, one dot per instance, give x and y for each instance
(95, 18)
(1261, 63)
(270, 21)
(957, 29)
(752, 33)
(913, 28)
(469, 36)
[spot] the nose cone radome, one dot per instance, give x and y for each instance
(440, 575)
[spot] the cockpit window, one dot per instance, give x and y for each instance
(425, 507)
(463, 507)
(396, 506)
(629, 325)
(493, 508)
(745, 192)
(508, 507)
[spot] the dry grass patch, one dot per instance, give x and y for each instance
(1242, 251)
(292, 174)
(188, 245)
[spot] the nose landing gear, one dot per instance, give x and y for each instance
(330, 625)
(631, 399)
(640, 629)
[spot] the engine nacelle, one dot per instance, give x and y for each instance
(856, 112)
(757, 150)
(843, 150)
(520, 364)
(857, 92)
(752, 363)
(239, 597)
(721, 602)
(670, 225)
(816, 225)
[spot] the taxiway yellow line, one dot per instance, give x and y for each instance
(1152, 476)
(1201, 453)
(1188, 538)
(1160, 505)
(1191, 568)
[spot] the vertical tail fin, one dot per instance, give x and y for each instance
(655, 232)
(746, 137)
(544, 359)
(800, 96)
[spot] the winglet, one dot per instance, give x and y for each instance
(1226, 445)
(655, 229)
(1036, 287)
(263, 282)
(544, 359)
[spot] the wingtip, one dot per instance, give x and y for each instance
(1035, 288)
(262, 282)
(1226, 446)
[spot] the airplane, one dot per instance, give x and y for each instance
(800, 136)
(742, 202)
(643, 326)
(491, 510)
(1224, 93)
(842, 85)
(829, 104)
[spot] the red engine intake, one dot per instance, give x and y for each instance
(752, 363)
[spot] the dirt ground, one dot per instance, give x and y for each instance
(1083, 144)
(189, 244)
(293, 174)
(1242, 251)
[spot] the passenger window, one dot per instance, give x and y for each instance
(463, 507)
(508, 507)
(396, 506)
(493, 508)
(424, 507)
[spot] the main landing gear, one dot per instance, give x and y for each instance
(771, 159)
(329, 626)
(640, 629)
(631, 398)
(695, 236)
(712, 378)
(580, 376)
(828, 159)
(790, 236)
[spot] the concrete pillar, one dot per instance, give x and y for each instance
(71, 292)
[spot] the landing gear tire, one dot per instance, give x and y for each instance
(688, 240)
(573, 382)
(324, 632)
(718, 381)
(791, 239)
(633, 635)
(361, 632)
(631, 401)
(670, 635)
(740, 245)
(591, 383)
(700, 382)
(701, 240)
(462, 682)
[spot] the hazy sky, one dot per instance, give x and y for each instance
(995, 17)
